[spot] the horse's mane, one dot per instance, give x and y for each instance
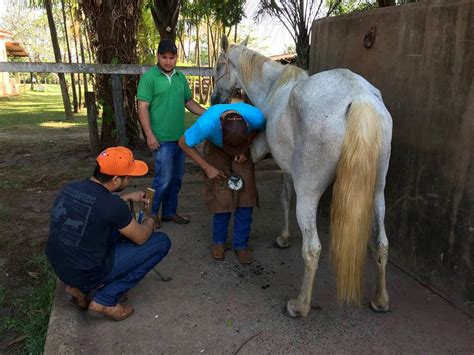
(251, 66)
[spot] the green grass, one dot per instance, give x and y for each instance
(45, 109)
(30, 316)
(36, 108)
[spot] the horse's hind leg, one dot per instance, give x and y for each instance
(379, 247)
(283, 240)
(306, 206)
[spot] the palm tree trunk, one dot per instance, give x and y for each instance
(83, 60)
(57, 56)
(198, 62)
(77, 55)
(73, 81)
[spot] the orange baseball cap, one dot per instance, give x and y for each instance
(118, 161)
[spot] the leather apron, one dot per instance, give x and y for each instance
(219, 197)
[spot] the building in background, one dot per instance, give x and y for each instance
(9, 48)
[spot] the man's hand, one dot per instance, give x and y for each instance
(241, 159)
(213, 173)
(136, 196)
(152, 142)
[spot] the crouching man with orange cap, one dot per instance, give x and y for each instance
(94, 245)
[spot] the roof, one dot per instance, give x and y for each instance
(14, 49)
(284, 58)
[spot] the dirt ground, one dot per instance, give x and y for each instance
(209, 307)
(34, 164)
(222, 307)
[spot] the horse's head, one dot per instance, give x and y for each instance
(226, 80)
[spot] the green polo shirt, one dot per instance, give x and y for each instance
(167, 97)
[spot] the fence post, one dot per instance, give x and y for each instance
(92, 119)
(117, 95)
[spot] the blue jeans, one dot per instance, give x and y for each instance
(131, 263)
(242, 222)
(169, 171)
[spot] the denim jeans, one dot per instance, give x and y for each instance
(131, 263)
(242, 222)
(169, 171)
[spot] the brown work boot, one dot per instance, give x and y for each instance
(77, 297)
(117, 312)
(245, 257)
(218, 251)
(176, 219)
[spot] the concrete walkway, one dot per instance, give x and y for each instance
(213, 307)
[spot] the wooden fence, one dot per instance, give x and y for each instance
(116, 71)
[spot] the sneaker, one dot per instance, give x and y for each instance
(218, 251)
(77, 297)
(244, 256)
(117, 312)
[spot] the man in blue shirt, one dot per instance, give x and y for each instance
(228, 130)
(94, 245)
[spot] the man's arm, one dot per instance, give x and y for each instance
(194, 107)
(144, 117)
(211, 171)
(138, 233)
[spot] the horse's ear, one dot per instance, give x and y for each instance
(245, 41)
(224, 43)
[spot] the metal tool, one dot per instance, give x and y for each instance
(235, 183)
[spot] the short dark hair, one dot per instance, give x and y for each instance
(104, 178)
(234, 129)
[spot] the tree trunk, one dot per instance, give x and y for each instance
(57, 56)
(198, 62)
(383, 3)
(83, 60)
(113, 27)
(180, 38)
(73, 81)
(302, 50)
(73, 21)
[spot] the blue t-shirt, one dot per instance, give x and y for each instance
(208, 126)
(84, 221)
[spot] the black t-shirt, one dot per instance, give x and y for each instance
(80, 244)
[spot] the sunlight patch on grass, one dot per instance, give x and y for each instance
(61, 124)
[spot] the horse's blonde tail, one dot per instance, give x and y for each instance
(352, 199)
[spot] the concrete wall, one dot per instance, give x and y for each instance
(422, 62)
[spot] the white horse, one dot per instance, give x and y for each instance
(329, 127)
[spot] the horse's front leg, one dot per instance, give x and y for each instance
(306, 207)
(287, 193)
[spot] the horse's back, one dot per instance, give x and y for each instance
(322, 99)
(320, 104)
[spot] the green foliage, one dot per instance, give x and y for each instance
(147, 36)
(32, 310)
(30, 27)
(347, 6)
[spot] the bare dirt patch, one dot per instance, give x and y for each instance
(34, 164)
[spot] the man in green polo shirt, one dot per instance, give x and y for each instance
(163, 93)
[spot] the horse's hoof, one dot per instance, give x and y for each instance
(293, 311)
(281, 243)
(379, 308)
